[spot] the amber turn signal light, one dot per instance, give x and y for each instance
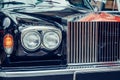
(8, 41)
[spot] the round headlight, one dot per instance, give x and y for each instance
(31, 40)
(51, 40)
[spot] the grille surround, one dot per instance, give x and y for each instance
(93, 42)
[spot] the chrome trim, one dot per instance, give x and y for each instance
(33, 31)
(90, 42)
(57, 72)
(35, 73)
(58, 34)
(94, 63)
(43, 30)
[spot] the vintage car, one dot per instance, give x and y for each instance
(58, 39)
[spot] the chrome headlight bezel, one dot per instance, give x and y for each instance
(36, 35)
(42, 30)
(57, 34)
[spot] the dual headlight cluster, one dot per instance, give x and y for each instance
(33, 40)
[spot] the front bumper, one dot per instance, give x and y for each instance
(68, 73)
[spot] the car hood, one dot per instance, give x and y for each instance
(63, 14)
(64, 10)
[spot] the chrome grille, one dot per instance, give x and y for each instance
(93, 42)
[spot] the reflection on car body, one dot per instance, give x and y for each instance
(35, 33)
(43, 38)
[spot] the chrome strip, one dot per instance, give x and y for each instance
(35, 73)
(57, 72)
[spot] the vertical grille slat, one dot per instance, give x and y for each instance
(87, 43)
(118, 44)
(90, 42)
(90, 35)
(82, 28)
(80, 42)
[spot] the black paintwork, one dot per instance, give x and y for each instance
(16, 61)
(21, 17)
(19, 56)
(112, 75)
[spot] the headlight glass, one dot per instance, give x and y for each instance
(51, 40)
(31, 40)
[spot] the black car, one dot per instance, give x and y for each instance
(42, 40)
(35, 34)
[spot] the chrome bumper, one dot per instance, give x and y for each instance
(70, 70)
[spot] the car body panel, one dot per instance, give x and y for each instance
(45, 64)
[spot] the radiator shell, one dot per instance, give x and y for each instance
(91, 42)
